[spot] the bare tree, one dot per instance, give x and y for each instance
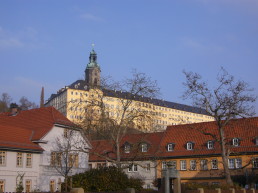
(228, 100)
(65, 157)
(25, 104)
(5, 102)
(115, 110)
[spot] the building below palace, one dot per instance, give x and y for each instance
(73, 101)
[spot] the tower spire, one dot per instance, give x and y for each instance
(92, 71)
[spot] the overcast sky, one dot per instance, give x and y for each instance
(47, 43)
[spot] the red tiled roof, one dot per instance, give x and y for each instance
(106, 148)
(245, 129)
(20, 130)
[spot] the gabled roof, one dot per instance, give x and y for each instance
(26, 126)
(245, 129)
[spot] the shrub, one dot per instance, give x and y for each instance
(105, 179)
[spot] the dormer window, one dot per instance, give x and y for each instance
(189, 146)
(256, 141)
(210, 145)
(127, 148)
(170, 146)
(144, 147)
(235, 142)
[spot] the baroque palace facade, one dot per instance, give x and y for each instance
(74, 100)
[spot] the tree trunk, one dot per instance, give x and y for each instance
(225, 157)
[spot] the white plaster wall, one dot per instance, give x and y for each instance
(9, 172)
(147, 176)
(48, 172)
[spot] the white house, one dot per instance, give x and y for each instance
(29, 148)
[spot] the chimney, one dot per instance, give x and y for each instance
(14, 109)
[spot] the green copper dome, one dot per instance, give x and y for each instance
(93, 60)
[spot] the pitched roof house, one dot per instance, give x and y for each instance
(26, 142)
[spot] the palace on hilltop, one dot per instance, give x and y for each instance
(74, 100)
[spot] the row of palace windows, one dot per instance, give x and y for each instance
(233, 163)
(19, 159)
(210, 144)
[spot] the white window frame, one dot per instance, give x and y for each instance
(231, 163)
(214, 164)
(210, 145)
(164, 165)
(256, 141)
(183, 165)
(170, 147)
(133, 168)
(235, 142)
(189, 146)
(19, 164)
(28, 163)
(144, 147)
(193, 165)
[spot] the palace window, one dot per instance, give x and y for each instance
(133, 168)
(214, 164)
(2, 158)
(210, 144)
(192, 164)
(182, 164)
(19, 160)
(28, 160)
(204, 164)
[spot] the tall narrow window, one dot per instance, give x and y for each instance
(28, 160)
(52, 186)
(182, 164)
(19, 160)
(192, 164)
(28, 186)
(2, 158)
(255, 162)
(238, 162)
(203, 164)
(231, 163)
(164, 165)
(148, 167)
(1, 185)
